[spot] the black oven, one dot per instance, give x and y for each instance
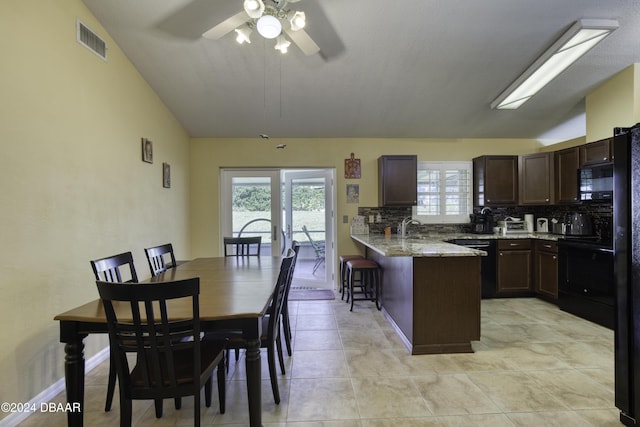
(586, 283)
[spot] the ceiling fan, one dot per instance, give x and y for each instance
(272, 19)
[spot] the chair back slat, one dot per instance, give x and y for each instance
(157, 258)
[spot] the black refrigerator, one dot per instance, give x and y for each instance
(626, 222)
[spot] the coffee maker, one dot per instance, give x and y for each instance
(482, 222)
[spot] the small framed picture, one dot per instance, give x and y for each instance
(166, 175)
(353, 193)
(147, 150)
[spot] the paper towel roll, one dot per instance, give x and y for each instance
(528, 219)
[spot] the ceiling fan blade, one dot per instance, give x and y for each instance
(320, 29)
(304, 41)
(196, 17)
(226, 26)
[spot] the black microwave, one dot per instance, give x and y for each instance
(595, 183)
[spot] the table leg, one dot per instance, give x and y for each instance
(73, 372)
(254, 382)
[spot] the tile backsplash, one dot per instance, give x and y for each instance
(392, 217)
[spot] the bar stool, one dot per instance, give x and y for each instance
(369, 280)
(344, 285)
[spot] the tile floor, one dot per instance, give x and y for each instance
(534, 366)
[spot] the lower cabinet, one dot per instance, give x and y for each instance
(546, 270)
(514, 267)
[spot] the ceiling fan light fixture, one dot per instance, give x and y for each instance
(298, 20)
(572, 45)
(254, 8)
(243, 34)
(282, 44)
(269, 26)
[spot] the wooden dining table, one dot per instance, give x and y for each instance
(235, 293)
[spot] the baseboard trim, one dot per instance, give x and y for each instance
(52, 391)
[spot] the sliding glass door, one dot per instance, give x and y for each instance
(282, 205)
(308, 220)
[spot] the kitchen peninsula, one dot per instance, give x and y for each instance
(430, 291)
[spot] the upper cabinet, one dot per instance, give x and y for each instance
(495, 180)
(566, 164)
(398, 180)
(536, 179)
(596, 152)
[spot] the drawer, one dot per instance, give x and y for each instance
(547, 246)
(514, 244)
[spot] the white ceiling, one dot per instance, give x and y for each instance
(405, 68)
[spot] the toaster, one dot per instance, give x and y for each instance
(513, 226)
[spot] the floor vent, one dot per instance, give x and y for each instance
(91, 40)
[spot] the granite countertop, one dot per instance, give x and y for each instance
(434, 245)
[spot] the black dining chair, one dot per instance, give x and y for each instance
(113, 269)
(270, 338)
(286, 322)
(242, 246)
(171, 361)
(161, 258)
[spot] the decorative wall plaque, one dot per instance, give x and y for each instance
(352, 168)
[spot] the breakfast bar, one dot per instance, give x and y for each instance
(430, 291)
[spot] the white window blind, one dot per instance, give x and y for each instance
(444, 192)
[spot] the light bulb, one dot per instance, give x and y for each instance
(254, 8)
(298, 20)
(243, 34)
(282, 44)
(269, 26)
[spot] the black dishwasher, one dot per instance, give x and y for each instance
(487, 264)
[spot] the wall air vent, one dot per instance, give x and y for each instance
(91, 40)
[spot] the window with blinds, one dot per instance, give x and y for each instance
(444, 192)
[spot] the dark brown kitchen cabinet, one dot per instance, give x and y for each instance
(514, 267)
(566, 164)
(596, 152)
(495, 180)
(398, 180)
(536, 179)
(546, 270)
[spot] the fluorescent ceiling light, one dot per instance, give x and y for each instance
(578, 40)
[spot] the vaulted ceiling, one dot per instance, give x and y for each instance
(402, 69)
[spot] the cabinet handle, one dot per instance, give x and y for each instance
(605, 158)
(514, 244)
(546, 200)
(501, 254)
(547, 246)
(555, 257)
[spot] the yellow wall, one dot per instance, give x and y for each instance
(73, 186)
(615, 103)
(565, 144)
(209, 155)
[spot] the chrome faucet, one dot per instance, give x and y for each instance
(405, 223)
